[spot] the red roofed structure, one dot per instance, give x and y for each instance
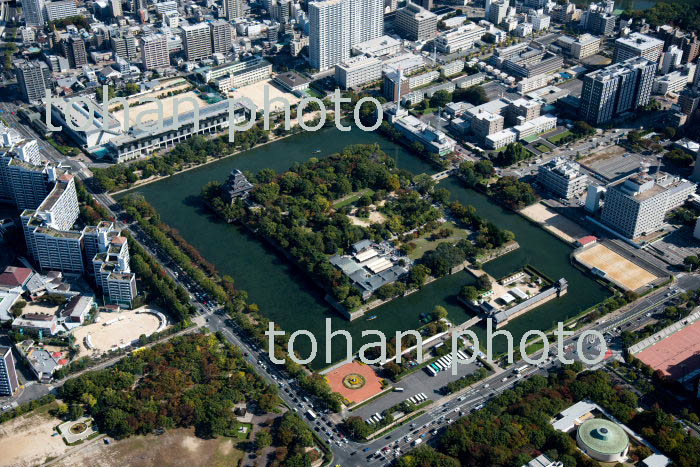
(587, 240)
(15, 277)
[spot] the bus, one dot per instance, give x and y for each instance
(520, 369)
(431, 371)
(311, 415)
(434, 367)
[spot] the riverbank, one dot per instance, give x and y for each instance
(157, 178)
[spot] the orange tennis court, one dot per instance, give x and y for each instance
(677, 355)
(355, 381)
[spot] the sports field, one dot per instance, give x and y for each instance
(355, 381)
(114, 330)
(619, 270)
(677, 355)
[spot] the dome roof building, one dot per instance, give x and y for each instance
(603, 440)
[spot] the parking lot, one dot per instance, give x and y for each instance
(414, 384)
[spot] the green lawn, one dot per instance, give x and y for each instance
(314, 93)
(245, 435)
(351, 198)
(542, 148)
(556, 138)
(424, 244)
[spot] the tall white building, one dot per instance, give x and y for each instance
(337, 25)
(220, 36)
(638, 45)
(34, 12)
(61, 9)
(154, 51)
(638, 205)
(329, 38)
(233, 9)
(196, 41)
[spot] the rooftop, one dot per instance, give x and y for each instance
(603, 436)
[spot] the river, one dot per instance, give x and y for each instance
(289, 299)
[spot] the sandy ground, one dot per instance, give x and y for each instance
(27, 440)
(175, 447)
(620, 270)
(559, 225)
(122, 332)
(255, 93)
(375, 217)
(148, 111)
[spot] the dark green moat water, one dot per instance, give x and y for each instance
(287, 297)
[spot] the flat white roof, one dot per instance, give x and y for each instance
(365, 255)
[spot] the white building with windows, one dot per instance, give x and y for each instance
(357, 71)
(638, 205)
(562, 177)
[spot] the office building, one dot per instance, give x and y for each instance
(674, 82)
(358, 71)
(615, 89)
(237, 74)
(395, 85)
(638, 45)
(164, 7)
(196, 41)
(581, 47)
(123, 45)
(33, 80)
(498, 11)
(116, 9)
(415, 23)
(379, 47)
(221, 36)
(34, 12)
(562, 177)
(599, 23)
(8, 374)
(685, 41)
(638, 205)
(74, 50)
(540, 22)
(688, 101)
(671, 59)
(61, 9)
(532, 62)
(461, 38)
(154, 51)
(522, 110)
(233, 9)
(434, 140)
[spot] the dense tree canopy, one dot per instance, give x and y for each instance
(193, 380)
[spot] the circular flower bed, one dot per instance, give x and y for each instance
(78, 428)
(354, 381)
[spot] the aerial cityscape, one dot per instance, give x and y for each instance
(314, 233)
